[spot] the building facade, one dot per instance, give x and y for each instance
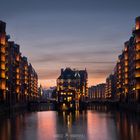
(124, 84)
(97, 92)
(110, 89)
(127, 69)
(2, 61)
(71, 88)
(18, 79)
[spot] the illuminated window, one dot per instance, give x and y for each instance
(17, 70)
(2, 85)
(17, 58)
(137, 74)
(125, 49)
(126, 75)
(17, 82)
(137, 25)
(138, 86)
(17, 89)
(137, 39)
(2, 58)
(137, 65)
(126, 63)
(69, 99)
(3, 74)
(17, 76)
(126, 70)
(2, 66)
(137, 55)
(126, 81)
(138, 47)
(2, 49)
(126, 56)
(2, 39)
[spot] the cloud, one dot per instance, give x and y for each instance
(75, 57)
(75, 33)
(48, 74)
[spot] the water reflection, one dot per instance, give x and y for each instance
(98, 122)
(72, 125)
(128, 126)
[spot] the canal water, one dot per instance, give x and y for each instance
(95, 123)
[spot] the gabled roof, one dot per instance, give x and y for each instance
(67, 74)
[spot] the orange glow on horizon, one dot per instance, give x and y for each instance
(47, 83)
(52, 82)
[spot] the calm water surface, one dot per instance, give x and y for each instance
(97, 123)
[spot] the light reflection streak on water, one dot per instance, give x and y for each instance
(98, 123)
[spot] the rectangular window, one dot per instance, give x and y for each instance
(3, 57)
(2, 74)
(2, 85)
(138, 47)
(137, 73)
(2, 66)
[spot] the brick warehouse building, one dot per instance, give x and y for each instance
(71, 88)
(18, 79)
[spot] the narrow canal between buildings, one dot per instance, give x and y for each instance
(95, 123)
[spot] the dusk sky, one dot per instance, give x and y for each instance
(80, 34)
